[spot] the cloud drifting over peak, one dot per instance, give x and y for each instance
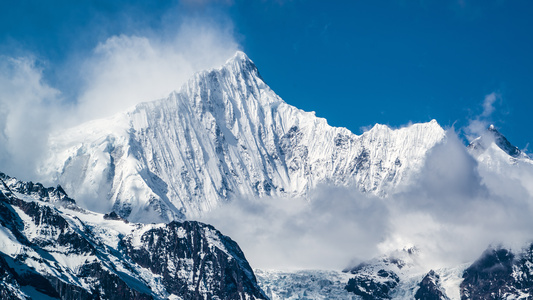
(126, 70)
(121, 71)
(479, 124)
(452, 210)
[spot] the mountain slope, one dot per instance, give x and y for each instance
(224, 134)
(497, 274)
(500, 274)
(50, 248)
(492, 148)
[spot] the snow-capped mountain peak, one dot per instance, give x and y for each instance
(240, 62)
(492, 144)
(225, 133)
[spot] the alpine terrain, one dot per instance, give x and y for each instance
(225, 133)
(142, 176)
(51, 248)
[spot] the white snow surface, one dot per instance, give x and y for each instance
(330, 284)
(304, 284)
(224, 133)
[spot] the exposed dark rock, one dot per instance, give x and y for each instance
(430, 288)
(490, 276)
(503, 143)
(9, 281)
(37, 190)
(499, 274)
(373, 287)
(492, 135)
(113, 216)
(167, 250)
(110, 286)
(189, 259)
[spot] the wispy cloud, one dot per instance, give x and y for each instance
(479, 123)
(121, 71)
(28, 107)
(488, 104)
(126, 70)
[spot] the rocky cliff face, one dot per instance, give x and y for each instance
(430, 288)
(51, 248)
(500, 274)
(224, 134)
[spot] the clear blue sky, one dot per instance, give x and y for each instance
(355, 63)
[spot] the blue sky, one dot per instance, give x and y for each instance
(355, 63)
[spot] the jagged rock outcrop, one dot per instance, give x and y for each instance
(430, 288)
(51, 248)
(494, 151)
(500, 274)
(378, 286)
(379, 277)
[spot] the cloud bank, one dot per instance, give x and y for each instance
(323, 232)
(452, 210)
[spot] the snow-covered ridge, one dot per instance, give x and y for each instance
(52, 249)
(224, 134)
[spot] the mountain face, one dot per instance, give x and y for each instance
(493, 136)
(224, 134)
(430, 288)
(500, 274)
(492, 148)
(50, 248)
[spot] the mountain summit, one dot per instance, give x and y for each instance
(492, 147)
(492, 135)
(224, 134)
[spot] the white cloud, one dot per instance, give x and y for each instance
(28, 106)
(457, 208)
(126, 70)
(479, 124)
(328, 231)
(488, 104)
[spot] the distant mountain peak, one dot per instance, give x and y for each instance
(240, 56)
(492, 135)
(240, 62)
